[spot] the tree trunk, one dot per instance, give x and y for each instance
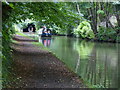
(107, 14)
(78, 9)
(118, 19)
(94, 18)
(96, 8)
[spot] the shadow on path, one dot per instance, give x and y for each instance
(37, 68)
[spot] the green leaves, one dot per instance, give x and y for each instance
(11, 5)
(84, 30)
(58, 13)
(106, 34)
(100, 12)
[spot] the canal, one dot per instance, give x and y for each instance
(96, 63)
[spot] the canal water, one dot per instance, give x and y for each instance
(96, 63)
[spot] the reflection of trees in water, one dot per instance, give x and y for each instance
(98, 68)
(96, 63)
(77, 65)
(91, 67)
(118, 51)
(105, 75)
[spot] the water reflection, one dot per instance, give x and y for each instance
(96, 63)
(46, 41)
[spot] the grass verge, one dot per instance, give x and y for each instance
(21, 34)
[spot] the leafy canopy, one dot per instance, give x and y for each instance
(55, 13)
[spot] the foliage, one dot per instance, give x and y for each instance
(100, 12)
(60, 16)
(84, 30)
(106, 34)
(49, 13)
(6, 53)
(24, 25)
(7, 32)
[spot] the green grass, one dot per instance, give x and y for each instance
(24, 35)
(21, 34)
(34, 43)
(14, 41)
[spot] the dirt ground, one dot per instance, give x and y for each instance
(37, 68)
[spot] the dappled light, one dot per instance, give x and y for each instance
(60, 44)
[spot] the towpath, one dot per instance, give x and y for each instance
(37, 68)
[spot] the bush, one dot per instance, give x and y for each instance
(84, 30)
(6, 52)
(106, 34)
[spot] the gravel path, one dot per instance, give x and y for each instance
(36, 68)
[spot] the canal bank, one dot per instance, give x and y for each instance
(94, 62)
(37, 68)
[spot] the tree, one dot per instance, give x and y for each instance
(57, 14)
